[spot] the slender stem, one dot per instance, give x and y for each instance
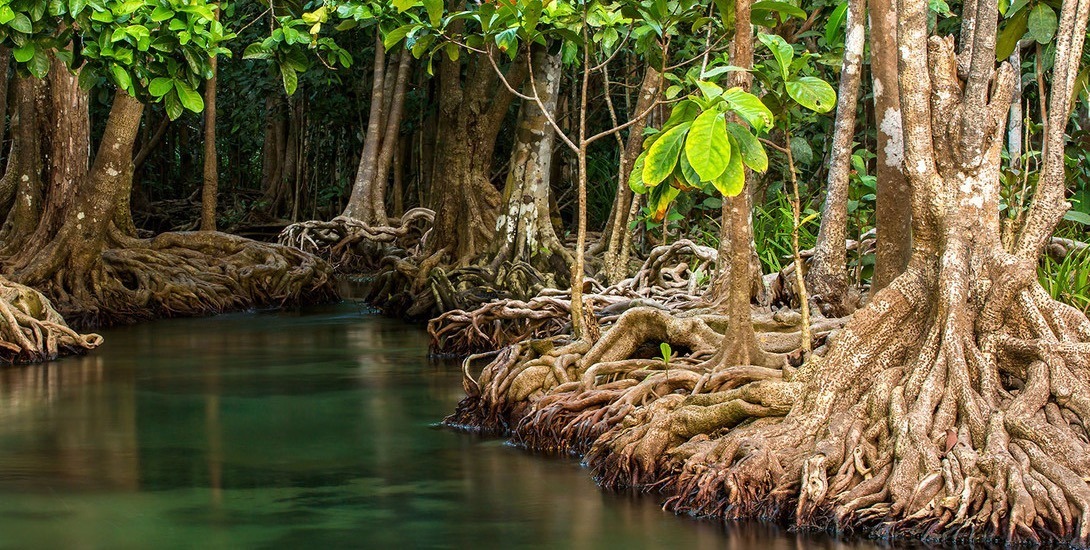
(800, 279)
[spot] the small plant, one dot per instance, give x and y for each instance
(1068, 280)
(667, 352)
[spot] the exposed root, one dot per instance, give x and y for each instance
(181, 274)
(353, 245)
(31, 330)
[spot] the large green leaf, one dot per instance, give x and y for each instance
(161, 86)
(784, 8)
(635, 179)
(731, 182)
(189, 97)
(1011, 33)
(813, 93)
(752, 152)
(662, 156)
(1042, 23)
(834, 28)
(659, 200)
(707, 148)
(781, 50)
(749, 107)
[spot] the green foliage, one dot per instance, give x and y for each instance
(1067, 280)
(155, 50)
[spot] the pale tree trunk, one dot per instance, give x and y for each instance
(524, 229)
(24, 178)
(211, 163)
(391, 135)
(827, 279)
(620, 217)
(894, 217)
(360, 202)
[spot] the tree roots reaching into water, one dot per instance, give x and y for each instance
(31, 330)
(973, 429)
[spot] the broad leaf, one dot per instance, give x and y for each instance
(834, 28)
(435, 11)
(813, 93)
(1042, 23)
(781, 50)
(662, 156)
(707, 147)
(749, 107)
(752, 152)
(731, 182)
(635, 179)
(1011, 33)
(784, 8)
(161, 86)
(189, 97)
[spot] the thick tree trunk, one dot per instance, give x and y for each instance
(470, 117)
(894, 243)
(524, 230)
(24, 179)
(210, 188)
(827, 279)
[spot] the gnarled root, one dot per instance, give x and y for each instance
(354, 245)
(180, 274)
(31, 330)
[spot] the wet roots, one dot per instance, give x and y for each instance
(971, 425)
(183, 274)
(355, 246)
(673, 277)
(31, 330)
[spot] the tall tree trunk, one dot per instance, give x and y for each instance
(390, 137)
(24, 179)
(827, 279)
(894, 219)
(211, 161)
(619, 219)
(360, 203)
(524, 230)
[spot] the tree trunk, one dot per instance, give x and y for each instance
(360, 203)
(524, 230)
(23, 181)
(211, 161)
(619, 219)
(827, 279)
(390, 137)
(894, 219)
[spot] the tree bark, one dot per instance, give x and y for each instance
(894, 218)
(827, 279)
(360, 203)
(210, 189)
(524, 230)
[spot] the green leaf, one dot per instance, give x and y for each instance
(1012, 32)
(749, 107)
(25, 52)
(753, 153)
(121, 77)
(709, 89)
(834, 28)
(813, 93)
(173, 106)
(635, 179)
(781, 50)
(161, 86)
(39, 64)
(403, 5)
(684, 111)
(75, 7)
(659, 200)
(435, 11)
(662, 156)
(1077, 217)
(707, 147)
(290, 78)
(257, 51)
(22, 24)
(161, 13)
(6, 14)
(189, 97)
(779, 7)
(397, 35)
(1042, 23)
(731, 182)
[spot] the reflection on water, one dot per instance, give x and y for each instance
(284, 430)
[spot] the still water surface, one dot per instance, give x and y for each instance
(288, 430)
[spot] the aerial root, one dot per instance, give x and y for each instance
(31, 330)
(351, 243)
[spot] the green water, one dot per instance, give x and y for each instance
(285, 430)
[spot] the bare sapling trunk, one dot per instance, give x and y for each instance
(894, 220)
(360, 203)
(390, 137)
(828, 280)
(524, 229)
(210, 188)
(617, 231)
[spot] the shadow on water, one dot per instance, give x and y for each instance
(282, 430)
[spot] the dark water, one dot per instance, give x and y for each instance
(281, 430)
